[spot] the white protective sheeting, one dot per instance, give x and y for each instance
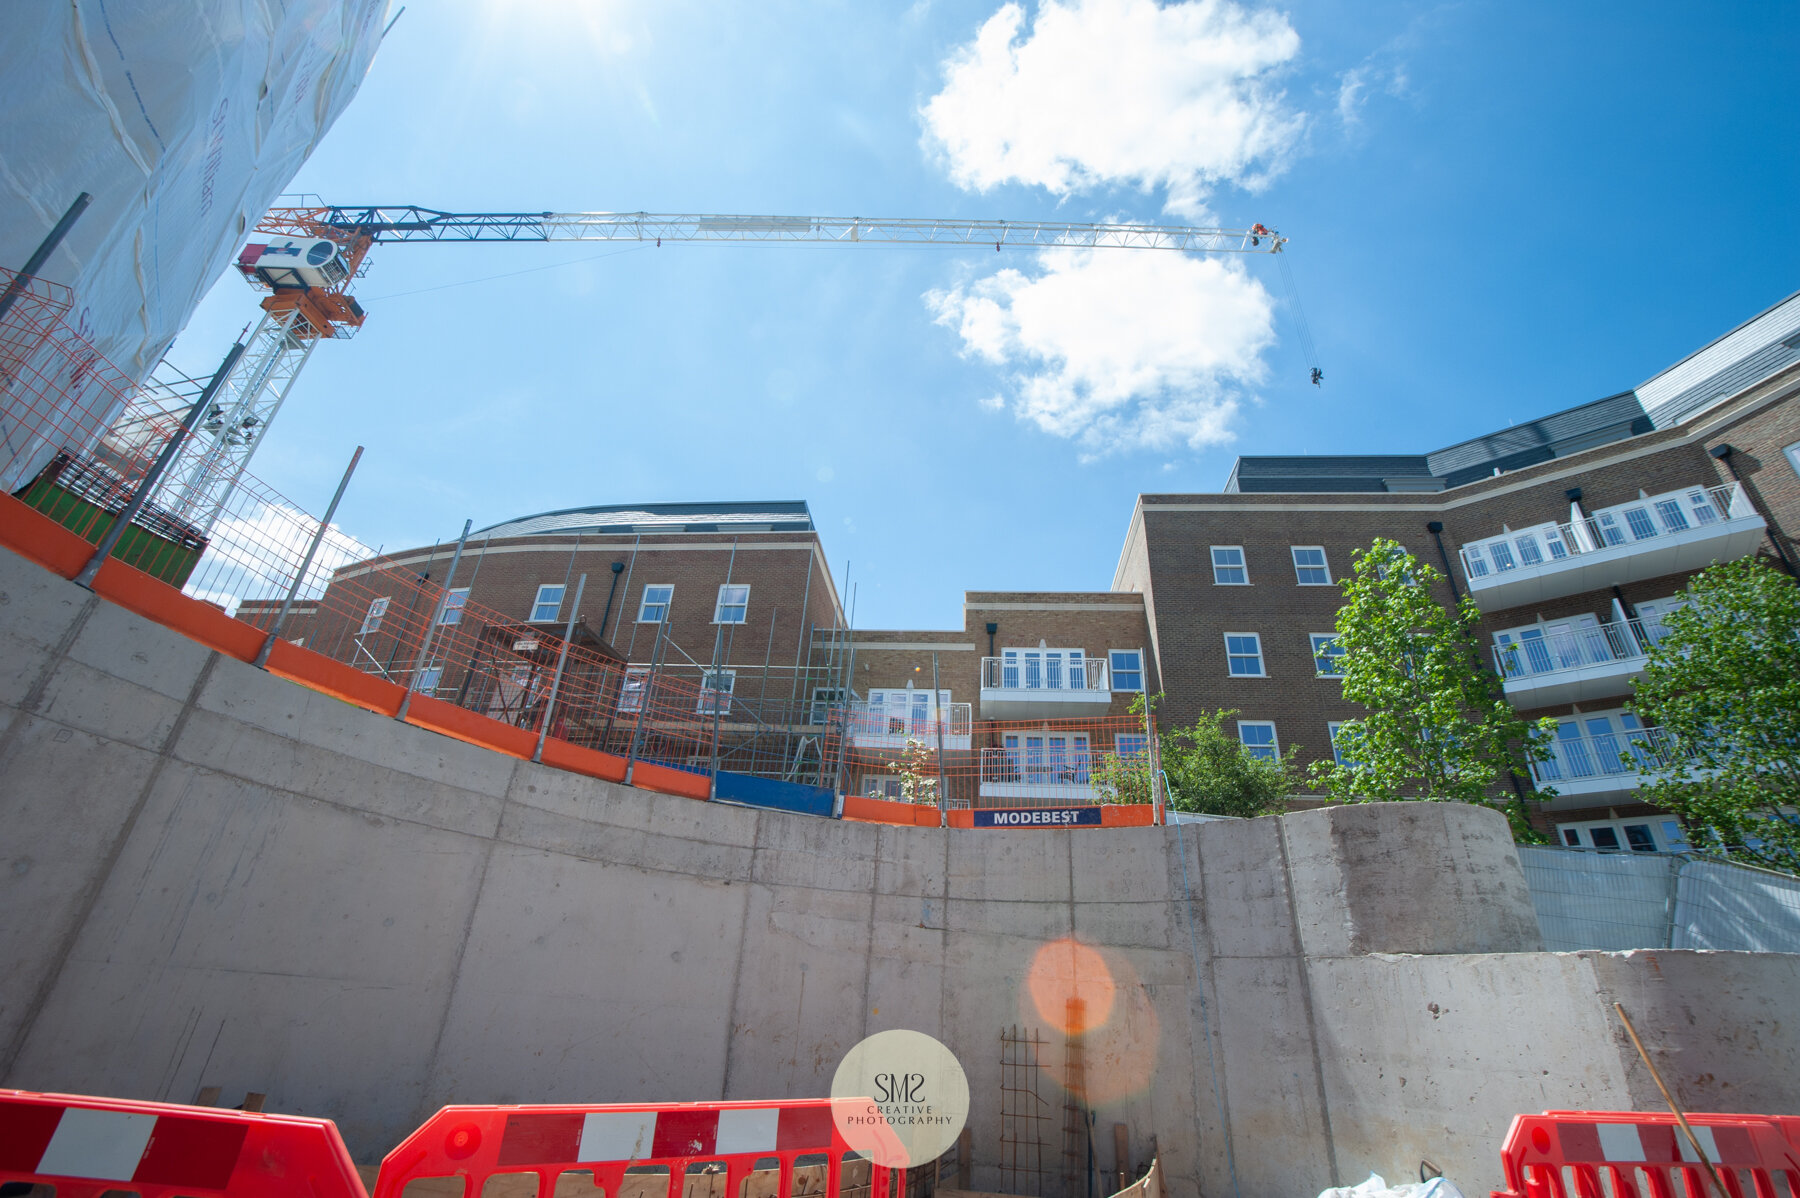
(184, 119)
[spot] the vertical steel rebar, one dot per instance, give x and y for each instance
(562, 656)
(262, 654)
(438, 613)
(147, 486)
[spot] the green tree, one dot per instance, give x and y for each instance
(1209, 771)
(918, 772)
(1439, 726)
(1722, 693)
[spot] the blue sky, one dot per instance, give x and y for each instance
(1495, 211)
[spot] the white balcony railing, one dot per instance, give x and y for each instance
(1578, 762)
(1673, 517)
(889, 727)
(1548, 653)
(1083, 675)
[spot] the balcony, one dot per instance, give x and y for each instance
(1647, 538)
(1588, 769)
(888, 729)
(1553, 667)
(1025, 688)
(1034, 778)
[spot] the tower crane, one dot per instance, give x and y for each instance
(309, 257)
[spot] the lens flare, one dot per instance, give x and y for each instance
(1103, 1011)
(1070, 986)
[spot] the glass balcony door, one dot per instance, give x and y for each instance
(1043, 669)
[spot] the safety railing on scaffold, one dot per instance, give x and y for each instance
(80, 1146)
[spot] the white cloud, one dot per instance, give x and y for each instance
(1119, 350)
(1103, 92)
(1358, 83)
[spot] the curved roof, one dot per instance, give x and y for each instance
(772, 515)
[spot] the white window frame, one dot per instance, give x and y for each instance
(1324, 565)
(1242, 566)
(742, 609)
(1793, 456)
(645, 602)
(1332, 727)
(1262, 666)
(428, 680)
(1113, 669)
(451, 609)
(632, 688)
(882, 786)
(1255, 750)
(1020, 663)
(562, 593)
(1662, 839)
(1315, 639)
(378, 609)
(824, 698)
(712, 695)
(1138, 741)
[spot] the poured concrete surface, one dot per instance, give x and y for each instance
(210, 876)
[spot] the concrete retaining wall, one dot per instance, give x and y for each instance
(210, 876)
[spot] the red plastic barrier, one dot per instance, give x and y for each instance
(1566, 1154)
(470, 726)
(579, 760)
(473, 1143)
(86, 1146)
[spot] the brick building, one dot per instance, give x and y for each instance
(1574, 534)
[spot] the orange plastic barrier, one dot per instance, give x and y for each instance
(136, 591)
(334, 678)
(28, 531)
(474, 1143)
(1566, 1154)
(885, 811)
(578, 760)
(470, 726)
(85, 1147)
(660, 778)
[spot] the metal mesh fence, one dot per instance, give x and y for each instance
(1589, 899)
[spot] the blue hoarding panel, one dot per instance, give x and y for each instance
(780, 796)
(1037, 817)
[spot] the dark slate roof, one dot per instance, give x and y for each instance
(774, 515)
(1554, 436)
(1325, 472)
(1557, 435)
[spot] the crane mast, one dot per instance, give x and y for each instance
(310, 256)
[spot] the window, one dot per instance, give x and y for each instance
(1045, 669)
(715, 692)
(377, 609)
(1127, 669)
(1793, 456)
(734, 603)
(1130, 744)
(1228, 566)
(631, 691)
(1243, 654)
(428, 679)
(548, 604)
(1310, 569)
(824, 698)
(655, 607)
(1340, 740)
(1637, 836)
(882, 786)
(1048, 758)
(1327, 654)
(1258, 739)
(452, 611)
